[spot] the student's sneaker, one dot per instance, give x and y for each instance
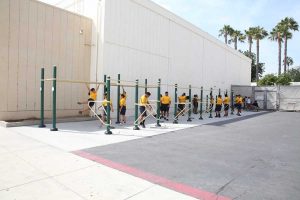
(79, 103)
(143, 125)
(166, 119)
(239, 114)
(80, 112)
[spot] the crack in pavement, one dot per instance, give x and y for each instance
(221, 189)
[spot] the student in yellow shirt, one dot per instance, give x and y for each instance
(226, 105)
(104, 105)
(239, 102)
(219, 106)
(123, 107)
(92, 97)
(143, 103)
(182, 101)
(165, 105)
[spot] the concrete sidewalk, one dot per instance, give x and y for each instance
(38, 164)
(31, 169)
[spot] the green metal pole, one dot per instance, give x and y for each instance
(158, 104)
(206, 103)
(146, 84)
(104, 87)
(219, 91)
(136, 107)
(54, 128)
(216, 100)
(190, 104)
(175, 105)
(118, 99)
(201, 104)
(210, 105)
(232, 100)
(108, 131)
(42, 124)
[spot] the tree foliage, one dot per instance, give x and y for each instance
(294, 73)
(226, 31)
(268, 80)
(284, 79)
(271, 79)
(261, 69)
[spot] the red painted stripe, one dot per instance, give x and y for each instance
(185, 189)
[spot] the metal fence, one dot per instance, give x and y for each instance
(285, 98)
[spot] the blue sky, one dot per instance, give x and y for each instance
(211, 15)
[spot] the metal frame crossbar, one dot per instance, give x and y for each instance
(184, 111)
(150, 109)
(101, 107)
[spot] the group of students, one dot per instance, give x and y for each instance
(93, 97)
(165, 102)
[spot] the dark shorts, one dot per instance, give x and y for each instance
(91, 104)
(165, 107)
(218, 108)
(239, 106)
(181, 107)
(226, 107)
(161, 108)
(123, 110)
(142, 109)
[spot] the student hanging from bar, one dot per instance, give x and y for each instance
(92, 97)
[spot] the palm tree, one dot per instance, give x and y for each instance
(276, 35)
(259, 33)
(249, 34)
(288, 24)
(226, 31)
(289, 62)
(235, 37)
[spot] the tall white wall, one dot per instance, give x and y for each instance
(35, 35)
(142, 40)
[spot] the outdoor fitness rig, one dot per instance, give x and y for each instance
(107, 84)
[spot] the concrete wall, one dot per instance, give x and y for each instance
(142, 40)
(33, 35)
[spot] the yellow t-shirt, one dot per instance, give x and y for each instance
(104, 103)
(144, 100)
(226, 100)
(239, 100)
(182, 99)
(123, 101)
(165, 100)
(93, 95)
(219, 101)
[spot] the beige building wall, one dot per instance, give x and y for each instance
(35, 35)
